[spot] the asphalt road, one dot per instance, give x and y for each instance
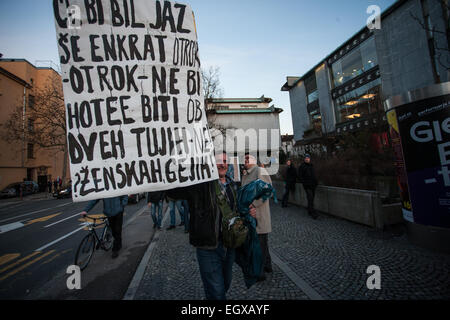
(38, 241)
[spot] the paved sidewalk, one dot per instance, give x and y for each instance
(312, 259)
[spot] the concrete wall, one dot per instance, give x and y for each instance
(359, 206)
(300, 118)
(402, 49)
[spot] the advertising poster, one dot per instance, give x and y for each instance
(424, 128)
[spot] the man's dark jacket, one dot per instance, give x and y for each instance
(204, 221)
(307, 176)
(155, 196)
(290, 176)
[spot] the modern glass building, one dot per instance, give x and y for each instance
(345, 90)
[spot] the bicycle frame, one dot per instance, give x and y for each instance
(91, 226)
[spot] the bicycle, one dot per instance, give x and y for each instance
(93, 242)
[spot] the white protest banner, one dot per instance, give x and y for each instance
(135, 111)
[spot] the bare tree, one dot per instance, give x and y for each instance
(42, 124)
(211, 83)
(441, 52)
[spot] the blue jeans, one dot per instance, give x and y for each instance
(185, 218)
(172, 205)
(216, 270)
(157, 219)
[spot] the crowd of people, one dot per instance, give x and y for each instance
(204, 221)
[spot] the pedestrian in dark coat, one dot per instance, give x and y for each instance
(113, 208)
(290, 178)
(155, 203)
(307, 177)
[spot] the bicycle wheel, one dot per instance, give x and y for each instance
(85, 251)
(107, 239)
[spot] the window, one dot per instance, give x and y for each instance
(30, 151)
(359, 102)
(355, 62)
(313, 96)
(311, 88)
(30, 125)
(31, 101)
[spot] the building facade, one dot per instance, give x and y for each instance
(246, 124)
(345, 91)
(20, 82)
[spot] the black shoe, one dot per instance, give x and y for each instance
(260, 279)
(170, 228)
(115, 254)
(159, 228)
(154, 225)
(268, 270)
(181, 224)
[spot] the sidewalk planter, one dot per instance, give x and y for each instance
(359, 206)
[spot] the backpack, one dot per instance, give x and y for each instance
(234, 232)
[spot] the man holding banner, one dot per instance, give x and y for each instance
(214, 259)
(135, 114)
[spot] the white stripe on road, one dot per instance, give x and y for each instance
(59, 239)
(37, 211)
(75, 215)
(9, 227)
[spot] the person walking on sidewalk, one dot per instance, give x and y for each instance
(155, 203)
(185, 221)
(113, 208)
(290, 178)
(307, 177)
(172, 204)
(215, 261)
(263, 219)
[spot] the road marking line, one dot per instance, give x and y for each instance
(19, 261)
(26, 265)
(10, 227)
(49, 225)
(37, 211)
(42, 219)
(59, 239)
(8, 257)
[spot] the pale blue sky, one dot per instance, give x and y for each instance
(256, 43)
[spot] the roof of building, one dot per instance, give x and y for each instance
(289, 84)
(14, 77)
(25, 60)
(272, 109)
(239, 100)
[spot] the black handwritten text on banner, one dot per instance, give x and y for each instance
(135, 111)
